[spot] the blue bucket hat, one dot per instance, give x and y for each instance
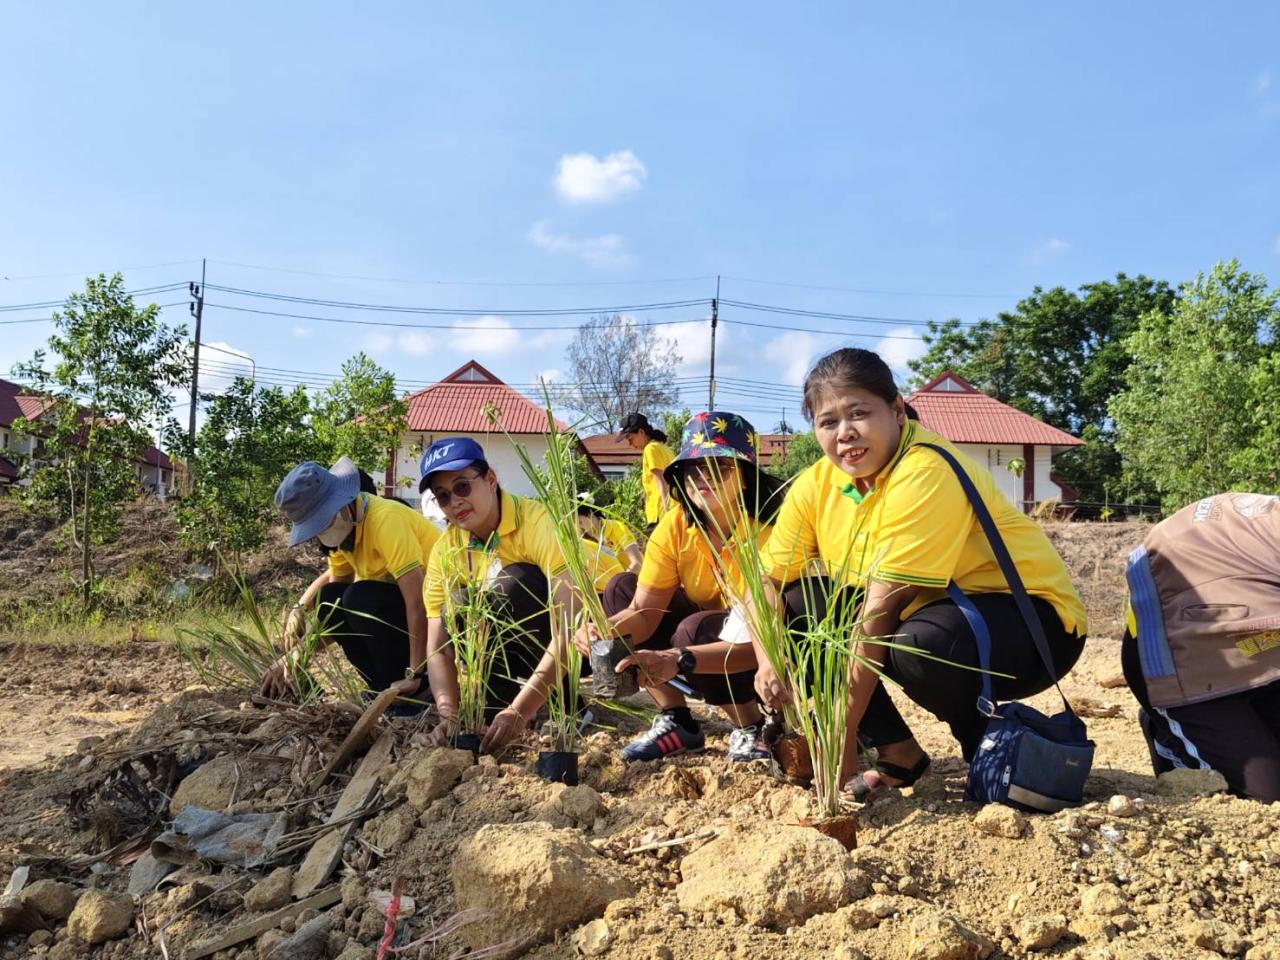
(310, 496)
(724, 435)
(447, 454)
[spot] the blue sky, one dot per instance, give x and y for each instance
(934, 160)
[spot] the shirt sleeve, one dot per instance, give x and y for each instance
(793, 541)
(618, 534)
(339, 566)
(923, 524)
(661, 567)
(395, 541)
(433, 590)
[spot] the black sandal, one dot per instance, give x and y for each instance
(860, 789)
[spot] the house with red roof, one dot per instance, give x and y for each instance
(155, 469)
(459, 406)
(1017, 448)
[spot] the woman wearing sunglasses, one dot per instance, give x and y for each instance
(671, 614)
(507, 544)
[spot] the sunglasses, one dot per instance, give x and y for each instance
(459, 488)
(710, 468)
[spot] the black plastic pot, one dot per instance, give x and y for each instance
(467, 741)
(558, 766)
(605, 656)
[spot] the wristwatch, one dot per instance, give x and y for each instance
(687, 662)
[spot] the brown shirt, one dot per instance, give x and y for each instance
(1205, 592)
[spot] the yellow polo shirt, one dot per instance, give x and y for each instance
(390, 540)
(525, 534)
(679, 555)
(915, 526)
(617, 536)
(656, 456)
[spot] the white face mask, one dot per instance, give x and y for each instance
(338, 531)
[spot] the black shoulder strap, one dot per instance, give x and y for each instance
(1007, 567)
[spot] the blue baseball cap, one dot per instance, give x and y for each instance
(451, 453)
(310, 496)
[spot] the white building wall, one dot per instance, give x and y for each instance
(995, 457)
(499, 451)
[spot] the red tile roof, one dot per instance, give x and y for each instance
(953, 408)
(14, 403)
(457, 403)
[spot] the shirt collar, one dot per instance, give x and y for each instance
(508, 520)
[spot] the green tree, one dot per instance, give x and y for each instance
(251, 437)
(619, 367)
(1060, 355)
(1197, 415)
(360, 415)
(114, 367)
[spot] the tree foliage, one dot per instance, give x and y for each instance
(1060, 355)
(619, 367)
(108, 378)
(1197, 414)
(802, 452)
(360, 415)
(251, 437)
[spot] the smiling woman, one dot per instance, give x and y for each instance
(893, 527)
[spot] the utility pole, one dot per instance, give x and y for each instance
(715, 316)
(197, 310)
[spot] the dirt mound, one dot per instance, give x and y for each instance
(146, 572)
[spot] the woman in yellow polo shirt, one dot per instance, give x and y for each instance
(654, 458)
(613, 535)
(509, 543)
(889, 518)
(371, 592)
(673, 611)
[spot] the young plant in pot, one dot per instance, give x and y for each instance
(476, 650)
(555, 485)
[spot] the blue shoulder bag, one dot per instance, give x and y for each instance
(1026, 759)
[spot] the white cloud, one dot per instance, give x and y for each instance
(301, 332)
(790, 356)
(1265, 93)
(220, 363)
(606, 250)
(378, 342)
(897, 350)
(551, 375)
(1276, 246)
(415, 342)
(498, 338)
(585, 178)
(1050, 249)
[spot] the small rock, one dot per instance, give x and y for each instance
(1190, 783)
(51, 899)
(908, 886)
(594, 940)
(1121, 806)
(353, 893)
(354, 951)
(395, 828)
(1000, 821)
(1112, 680)
(268, 942)
(1104, 900)
(1041, 933)
(271, 892)
(663, 952)
(570, 807)
(1216, 936)
(41, 938)
(434, 775)
(940, 936)
(99, 917)
(210, 786)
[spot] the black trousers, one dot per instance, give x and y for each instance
(949, 692)
(686, 625)
(517, 596)
(1237, 735)
(368, 619)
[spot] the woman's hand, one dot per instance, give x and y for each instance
(407, 687)
(506, 726)
(771, 688)
(295, 624)
(445, 731)
(275, 682)
(656, 666)
(584, 637)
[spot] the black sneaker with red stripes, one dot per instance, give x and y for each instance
(665, 737)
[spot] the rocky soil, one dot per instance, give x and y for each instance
(689, 858)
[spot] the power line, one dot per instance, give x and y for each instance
(829, 333)
(47, 319)
(47, 304)
(877, 293)
(822, 314)
(91, 273)
(460, 311)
